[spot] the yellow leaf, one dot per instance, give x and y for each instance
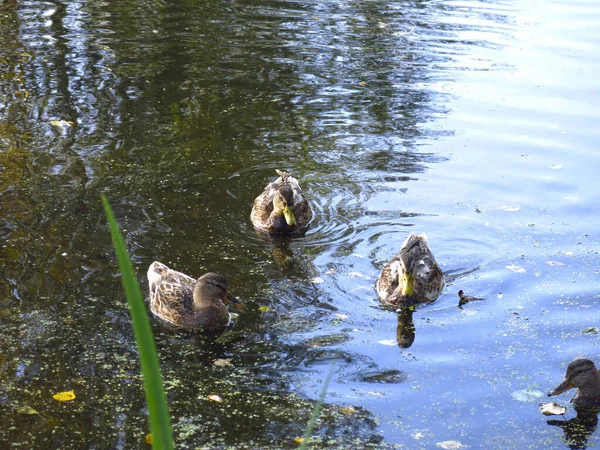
(215, 398)
(362, 83)
(264, 309)
(298, 440)
(64, 396)
(149, 439)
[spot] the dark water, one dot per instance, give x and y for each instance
(475, 122)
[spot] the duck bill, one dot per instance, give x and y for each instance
(288, 214)
(562, 387)
(233, 301)
(407, 286)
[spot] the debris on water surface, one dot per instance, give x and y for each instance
(527, 395)
(215, 398)
(317, 280)
(590, 330)
(552, 409)
(299, 440)
(62, 123)
(26, 410)
(64, 396)
(555, 263)
(149, 439)
(264, 309)
(464, 298)
(556, 166)
(222, 362)
(347, 410)
(451, 445)
(510, 208)
(516, 269)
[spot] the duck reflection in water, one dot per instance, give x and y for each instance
(583, 375)
(405, 331)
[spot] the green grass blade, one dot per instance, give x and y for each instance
(317, 410)
(156, 400)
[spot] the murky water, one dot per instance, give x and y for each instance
(474, 122)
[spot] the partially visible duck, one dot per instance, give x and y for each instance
(186, 302)
(583, 375)
(281, 208)
(412, 276)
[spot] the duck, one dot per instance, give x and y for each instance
(412, 276)
(583, 375)
(281, 208)
(186, 302)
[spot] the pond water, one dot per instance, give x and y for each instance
(476, 122)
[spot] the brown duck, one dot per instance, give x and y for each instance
(281, 208)
(412, 276)
(186, 302)
(583, 375)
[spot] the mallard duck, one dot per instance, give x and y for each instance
(581, 374)
(281, 209)
(412, 276)
(186, 302)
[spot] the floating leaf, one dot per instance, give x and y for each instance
(222, 362)
(552, 409)
(510, 208)
(299, 440)
(64, 396)
(348, 410)
(450, 445)
(215, 398)
(516, 269)
(317, 280)
(264, 309)
(61, 123)
(554, 263)
(149, 439)
(26, 410)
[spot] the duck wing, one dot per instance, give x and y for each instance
(173, 302)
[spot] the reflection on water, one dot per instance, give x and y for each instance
(578, 429)
(465, 120)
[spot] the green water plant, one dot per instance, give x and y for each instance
(316, 410)
(156, 400)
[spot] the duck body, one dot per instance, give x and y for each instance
(186, 302)
(412, 276)
(583, 375)
(281, 208)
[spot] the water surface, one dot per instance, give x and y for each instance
(475, 122)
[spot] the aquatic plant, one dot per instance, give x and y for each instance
(156, 400)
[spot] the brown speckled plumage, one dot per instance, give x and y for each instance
(186, 302)
(266, 216)
(414, 258)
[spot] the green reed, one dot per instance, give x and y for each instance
(156, 400)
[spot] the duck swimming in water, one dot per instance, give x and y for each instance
(281, 208)
(412, 276)
(583, 375)
(187, 302)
